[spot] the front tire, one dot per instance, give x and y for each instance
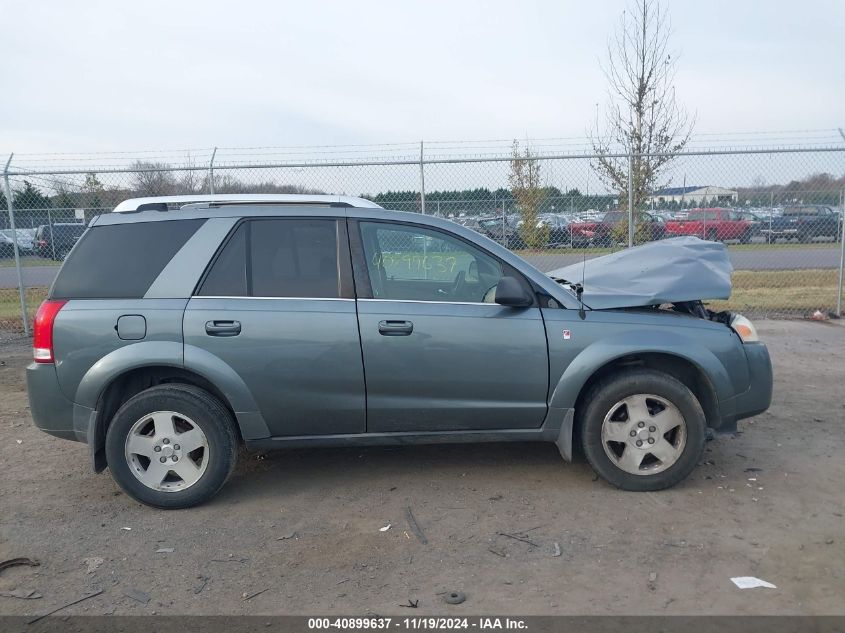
(172, 446)
(642, 430)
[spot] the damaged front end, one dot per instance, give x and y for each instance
(677, 270)
(675, 274)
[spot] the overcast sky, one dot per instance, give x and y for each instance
(111, 76)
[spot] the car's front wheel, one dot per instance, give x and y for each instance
(172, 446)
(642, 430)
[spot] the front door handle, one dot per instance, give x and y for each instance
(395, 328)
(223, 328)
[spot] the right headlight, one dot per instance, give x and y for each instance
(745, 328)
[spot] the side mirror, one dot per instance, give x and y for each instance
(509, 292)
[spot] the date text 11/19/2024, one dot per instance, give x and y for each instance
(432, 623)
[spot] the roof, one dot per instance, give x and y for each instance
(679, 191)
(156, 202)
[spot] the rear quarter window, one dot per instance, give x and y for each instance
(121, 261)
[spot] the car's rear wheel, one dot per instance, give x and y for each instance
(712, 235)
(642, 430)
(745, 238)
(172, 446)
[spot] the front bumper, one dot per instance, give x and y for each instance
(51, 411)
(757, 397)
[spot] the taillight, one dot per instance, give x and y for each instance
(42, 335)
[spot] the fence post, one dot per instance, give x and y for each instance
(50, 226)
(211, 172)
(11, 207)
(771, 215)
(841, 255)
(504, 222)
(422, 180)
(630, 199)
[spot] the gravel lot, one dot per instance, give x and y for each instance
(300, 531)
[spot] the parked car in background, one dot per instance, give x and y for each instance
(504, 231)
(714, 224)
(756, 221)
(558, 226)
(803, 223)
(170, 338)
(25, 242)
(583, 232)
(469, 222)
(54, 241)
(610, 229)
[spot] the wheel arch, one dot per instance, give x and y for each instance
(132, 382)
(695, 366)
(679, 367)
(200, 368)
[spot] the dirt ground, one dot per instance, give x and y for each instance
(300, 532)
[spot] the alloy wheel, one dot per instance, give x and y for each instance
(644, 434)
(167, 451)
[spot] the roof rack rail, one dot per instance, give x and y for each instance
(165, 203)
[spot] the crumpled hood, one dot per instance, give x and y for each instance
(668, 271)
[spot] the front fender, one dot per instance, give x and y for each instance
(606, 350)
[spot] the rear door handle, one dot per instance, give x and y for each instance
(395, 328)
(223, 328)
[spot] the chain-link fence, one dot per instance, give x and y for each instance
(779, 211)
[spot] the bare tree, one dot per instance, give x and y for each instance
(524, 180)
(642, 117)
(192, 179)
(153, 179)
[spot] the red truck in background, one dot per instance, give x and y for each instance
(712, 224)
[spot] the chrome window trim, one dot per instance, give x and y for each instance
(456, 303)
(268, 298)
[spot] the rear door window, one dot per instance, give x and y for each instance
(121, 261)
(285, 257)
(227, 276)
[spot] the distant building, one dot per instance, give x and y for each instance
(696, 194)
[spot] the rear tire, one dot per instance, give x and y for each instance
(143, 442)
(712, 235)
(664, 417)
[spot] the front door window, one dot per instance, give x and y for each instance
(412, 263)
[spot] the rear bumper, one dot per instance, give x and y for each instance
(51, 411)
(778, 231)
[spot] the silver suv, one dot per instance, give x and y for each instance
(178, 329)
